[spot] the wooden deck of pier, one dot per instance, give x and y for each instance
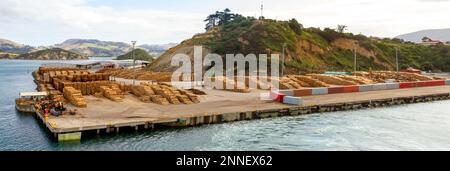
(105, 116)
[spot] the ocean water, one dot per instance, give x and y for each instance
(423, 126)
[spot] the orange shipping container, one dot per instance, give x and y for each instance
(302, 92)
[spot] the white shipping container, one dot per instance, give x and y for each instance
(319, 91)
(292, 100)
(365, 88)
(377, 87)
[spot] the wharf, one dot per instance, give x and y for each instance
(103, 116)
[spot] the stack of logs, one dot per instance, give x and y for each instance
(138, 74)
(112, 92)
(234, 84)
(86, 88)
(74, 96)
(382, 76)
(162, 94)
(332, 80)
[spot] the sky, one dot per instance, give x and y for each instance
(47, 22)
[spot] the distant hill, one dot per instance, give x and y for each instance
(157, 49)
(308, 49)
(52, 54)
(13, 47)
(139, 54)
(92, 47)
(86, 47)
(435, 34)
(4, 55)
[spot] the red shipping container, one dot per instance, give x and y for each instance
(277, 96)
(408, 85)
(351, 89)
(302, 92)
(335, 90)
(422, 84)
(431, 83)
(440, 83)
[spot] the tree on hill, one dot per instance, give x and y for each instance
(341, 28)
(139, 54)
(220, 18)
(295, 26)
(212, 21)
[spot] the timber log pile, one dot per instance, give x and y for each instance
(72, 84)
(138, 74)
(382, 76)
(112, 92)
(162, 93)
(74, 96)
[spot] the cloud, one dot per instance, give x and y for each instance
(47, 22)
(59, 19)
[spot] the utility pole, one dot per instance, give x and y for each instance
(282, 59)
(355, 67)
(134, 59)
(396, 58)
(132, 52)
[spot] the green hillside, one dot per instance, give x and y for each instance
(310, 49)
(139, 54)
(327, 49)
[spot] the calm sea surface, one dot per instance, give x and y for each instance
(410, 127)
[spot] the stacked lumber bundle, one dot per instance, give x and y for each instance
(58, 83)
(43, 70)
(46, 75)
(196, 92)
(58, 97)
(140, 90)
(224, 80)
(291, 83)
(158, 99)
(144, 93)
(298, 81)
(84, 77)
(87, 88)
(254, 80)
(306, 81)
(46, 78)
(382, 76)
(184, 99)
(191, 95)
(139, 74)
(112, 92)
(125, 87)
(36, 76)
(332, 80)
(54, 92)
(356, 79)
(170, 94)
(167, 93)
(145, 99)
(45, 87)
(155, 76)
(163, 94)
(74, 96)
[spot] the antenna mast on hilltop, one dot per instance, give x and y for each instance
(262, 10)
